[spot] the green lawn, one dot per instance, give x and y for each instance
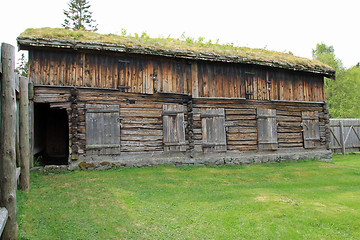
(295, 200)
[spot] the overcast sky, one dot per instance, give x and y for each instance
(295, 26)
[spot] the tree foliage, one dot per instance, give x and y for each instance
(78, 16)
(22, 66)
(343, 92)
(326, 54)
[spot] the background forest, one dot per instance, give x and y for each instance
(343, 93)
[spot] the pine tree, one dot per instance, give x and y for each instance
(78, 17)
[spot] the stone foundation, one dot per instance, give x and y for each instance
(160, 158)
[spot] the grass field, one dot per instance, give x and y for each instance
(295, 200)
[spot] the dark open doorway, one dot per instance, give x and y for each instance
(51, 135)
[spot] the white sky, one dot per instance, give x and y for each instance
(295, 26)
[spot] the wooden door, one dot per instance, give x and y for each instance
(102, 129)
(213, 129)
(267, 129)
(311, 129)
(174, 127)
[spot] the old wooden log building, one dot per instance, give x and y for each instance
(114, 104)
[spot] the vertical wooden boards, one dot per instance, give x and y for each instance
(275, 86)
(311, 129)
(174, 127)
(222, 80)
(267, 129)
(345, 135)
(213, 129)
(199, 78)
(31, 65)
(140, 76)
(216, 84)
(249, 85)
(149, 82)
(187, 79)
(103, 128)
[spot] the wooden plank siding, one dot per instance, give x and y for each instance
(138, 75)
(148, 75)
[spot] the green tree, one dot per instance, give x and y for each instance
(78, 16)
(345, 98)
(341, 93)
(23, 66)
(326, 54)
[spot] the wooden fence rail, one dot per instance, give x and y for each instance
(345, 135)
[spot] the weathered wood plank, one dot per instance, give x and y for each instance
(3, 219)
(24, 132)
(141, 138)
(142, 131)
(243, 111)
(103, 128)
(311, 129)
(237, 129)
(7, 138)
(241, 136)
(267, 129)
(173, 127)
(213, 129)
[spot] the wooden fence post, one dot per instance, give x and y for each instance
(24, 134)
(7, 142)
(342, 139)
(31, 123)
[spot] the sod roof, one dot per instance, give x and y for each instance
(168, 47)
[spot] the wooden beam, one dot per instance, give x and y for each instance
(7, 144)
(24, 139)
(195, 81)
(342, 140)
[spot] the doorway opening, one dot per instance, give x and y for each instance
(51, 135)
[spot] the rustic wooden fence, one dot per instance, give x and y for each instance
(15, 155)
(345, 135)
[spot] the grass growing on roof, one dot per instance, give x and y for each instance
(303, 200)
(187, 44)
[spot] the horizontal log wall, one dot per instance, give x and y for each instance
(141, 116)
(242, 123)
(142, 127)
(147, 75)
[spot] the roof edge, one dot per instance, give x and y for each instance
(26, 43)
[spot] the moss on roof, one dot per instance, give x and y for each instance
(175, 44)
